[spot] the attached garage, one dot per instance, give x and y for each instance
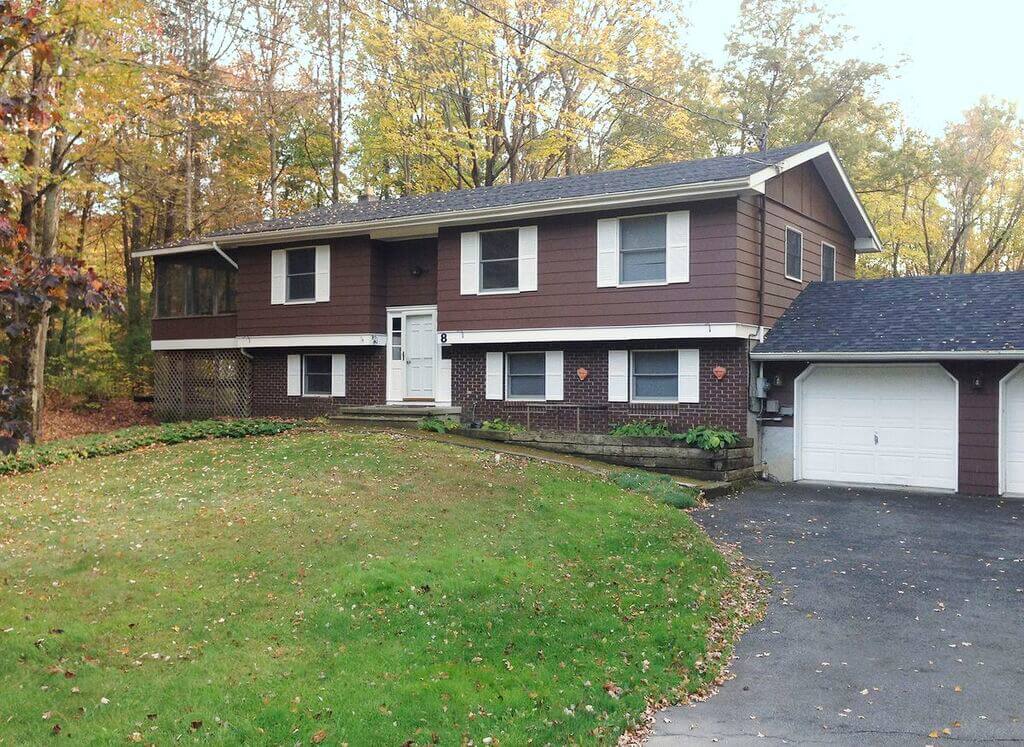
(903, 382)
(887, 424)
(1011, 422)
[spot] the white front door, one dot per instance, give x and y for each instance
(878, 425)
(420, 346)
(1012, 436)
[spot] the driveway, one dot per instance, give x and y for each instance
(894, 616)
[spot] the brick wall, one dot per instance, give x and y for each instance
(722, 403)
(364, 382)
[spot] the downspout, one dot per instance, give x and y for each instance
(226, 257)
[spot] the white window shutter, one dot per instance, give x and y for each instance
(277, 279)
(294, 375)
(618, 376)
(323, 273)
(607, 252)
(470, 285)
(495, 375)
(528, 258)
(689, 376)
(553, 375)
(677, 247)
(338, 375)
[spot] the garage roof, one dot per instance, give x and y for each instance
(421, 215)
(947, 316)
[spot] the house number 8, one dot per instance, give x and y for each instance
(444, 337)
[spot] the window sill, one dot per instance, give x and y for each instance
(795, 280)
(500, 292)
(655, 284)
(656, 402)
(301, 302)
(315, 396)
(526, 399)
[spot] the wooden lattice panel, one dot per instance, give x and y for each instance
(192, 384)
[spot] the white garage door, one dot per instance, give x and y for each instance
(1013, 433)
(877, 425)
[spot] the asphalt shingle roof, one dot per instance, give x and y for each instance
(609, 182)
(946, 313)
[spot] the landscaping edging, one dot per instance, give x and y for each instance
(658, 454)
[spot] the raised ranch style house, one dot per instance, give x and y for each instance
(572, 303)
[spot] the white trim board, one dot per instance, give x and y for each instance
(821, 155)
(910, 355)
(273, 341)
(601, 334)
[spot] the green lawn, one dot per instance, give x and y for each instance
(342, 587)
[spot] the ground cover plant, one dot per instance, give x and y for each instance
(34, 456)
(330, 587)
(706, 437)
(660, 487)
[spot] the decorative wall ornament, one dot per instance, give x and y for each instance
(582, 373)
(719, 372)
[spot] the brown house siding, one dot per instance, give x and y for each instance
(723, 403)
(978, 472)
(799, 199)
(567, 294)
(364, 383)
(403, 258)
(357, 293)
(201, 327)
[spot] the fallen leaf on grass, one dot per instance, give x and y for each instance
(319, 736)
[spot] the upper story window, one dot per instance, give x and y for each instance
(301, 272)
(642, 244)
(499, 261)
(191, 289)
(300, 275)
(643, 250)
(794, 254)
(828, 262)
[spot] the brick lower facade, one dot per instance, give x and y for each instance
(364, 382)
(586, 406)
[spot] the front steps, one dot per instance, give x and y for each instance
(393, 416)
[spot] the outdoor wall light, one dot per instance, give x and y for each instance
(416, 271)
(978, 383)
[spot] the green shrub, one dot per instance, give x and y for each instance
(34, 456)
(710, 438)
(660, 487)
(438, 425)
(642, 428)
(502, 425)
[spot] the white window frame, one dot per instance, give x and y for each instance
(305, 392)
(507, 383)
(480, 264)
(630, 374)
(321, 276)
(833, 248)
(639, 283)
(785, 254)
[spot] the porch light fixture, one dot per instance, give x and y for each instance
(416, 271)
(978, 383)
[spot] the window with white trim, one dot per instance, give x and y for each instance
(828, 262)
(525, 373)
(654, 376)
(642, 242)
(502, 260)
(300, 273)
(499, 260)
(794, 254)
(317, 373)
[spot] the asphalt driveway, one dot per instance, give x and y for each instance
(894, 616)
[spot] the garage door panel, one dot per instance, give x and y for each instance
(1012, 455)
(879, 424)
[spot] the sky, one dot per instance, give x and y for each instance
(956, 52)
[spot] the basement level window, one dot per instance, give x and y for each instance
(316, 374)
(655, 376)
(525, 375)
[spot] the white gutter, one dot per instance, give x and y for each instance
(908, 355)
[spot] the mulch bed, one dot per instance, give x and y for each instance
(65, 417)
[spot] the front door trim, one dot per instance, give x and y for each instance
(395, 384)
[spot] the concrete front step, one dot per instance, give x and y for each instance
(395, 416)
